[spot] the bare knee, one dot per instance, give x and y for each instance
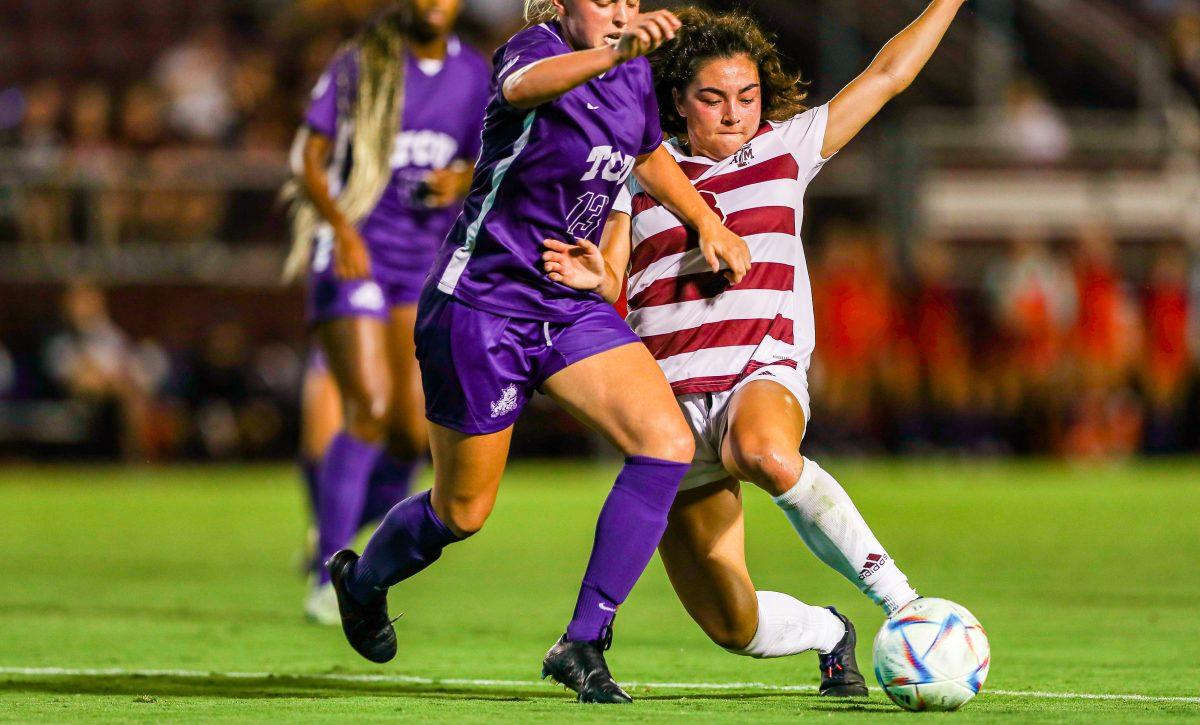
(730, 631)
(764, 462)
(464, 516)
(668, 440)
(366, 416)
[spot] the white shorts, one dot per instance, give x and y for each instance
(707, 414)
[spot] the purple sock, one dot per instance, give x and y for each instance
(343, 490)
(410, 538)
(309, 471)
(631, 524)
(390, 483)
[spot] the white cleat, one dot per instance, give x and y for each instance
(321, 607)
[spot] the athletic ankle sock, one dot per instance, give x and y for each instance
(826, 519)
(342, 492)
(390, 484)
(788, 626)
(410, 538)
(630, 526)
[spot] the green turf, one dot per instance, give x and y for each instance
(1085, 580)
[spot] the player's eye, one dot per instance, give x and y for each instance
(748, 101)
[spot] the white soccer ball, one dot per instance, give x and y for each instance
(932, 655)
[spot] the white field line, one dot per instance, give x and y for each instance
(463, 682)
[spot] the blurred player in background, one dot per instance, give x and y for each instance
(737, 356)
(572, 116)
(386, 157)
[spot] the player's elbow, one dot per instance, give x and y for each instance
(894, 80)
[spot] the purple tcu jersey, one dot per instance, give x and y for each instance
(550, 172)
(442, 123)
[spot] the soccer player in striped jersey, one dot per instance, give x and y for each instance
(737, 355)
(573, 114)
(384, 161)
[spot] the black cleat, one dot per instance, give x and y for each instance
(840, 676)
(581, 667)
(367, 627)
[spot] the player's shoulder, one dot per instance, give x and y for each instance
(538, 34)
(469, 55)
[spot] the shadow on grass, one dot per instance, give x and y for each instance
(279, 687)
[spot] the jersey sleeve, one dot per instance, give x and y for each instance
(652, 137)
(336, 85)
(624, 200)
(526, 48)
(804, 135)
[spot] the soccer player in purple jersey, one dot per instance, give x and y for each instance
(389, 145)
(573, 114)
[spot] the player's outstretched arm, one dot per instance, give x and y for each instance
(892, 71)
(546, 80)
(659, 174)
(585, 266)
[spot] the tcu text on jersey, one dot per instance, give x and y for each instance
(609, 164)
(426, 149)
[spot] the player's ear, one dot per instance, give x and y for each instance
(678, 97)
(561, 6)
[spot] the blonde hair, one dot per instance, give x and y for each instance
(374, 116)
(539, 11)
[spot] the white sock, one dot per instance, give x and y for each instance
(788, 626)
(835, 531)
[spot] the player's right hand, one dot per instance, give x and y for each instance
(350, 258)
(647, 33)
(724, 249)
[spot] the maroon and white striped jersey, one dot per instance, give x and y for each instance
(706, 334)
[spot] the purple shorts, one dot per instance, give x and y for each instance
(330, 298)
(480, 369)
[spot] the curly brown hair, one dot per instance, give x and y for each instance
(706, 36)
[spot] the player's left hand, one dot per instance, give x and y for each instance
(443, 187)
(579, 266)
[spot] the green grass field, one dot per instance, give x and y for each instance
(172, 594)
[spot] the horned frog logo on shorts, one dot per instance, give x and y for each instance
(507, 402)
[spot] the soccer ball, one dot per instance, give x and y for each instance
(932, 655)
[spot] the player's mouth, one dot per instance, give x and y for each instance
(612, 38)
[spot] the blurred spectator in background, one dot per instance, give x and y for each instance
(852, 298)
(91, 359)
(1104, 419)
(43, 207)
(1033, 302)
(95, 163)
(197, 75)
(1185, 51)
(1167, 363)
(939, 338)
(1031, 127)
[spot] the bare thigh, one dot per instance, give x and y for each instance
(408, 435)
(467, 471)
(704, 553)
(762, 443)
(623, 395)
(356, 349)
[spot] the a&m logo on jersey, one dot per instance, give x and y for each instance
(744, 156)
